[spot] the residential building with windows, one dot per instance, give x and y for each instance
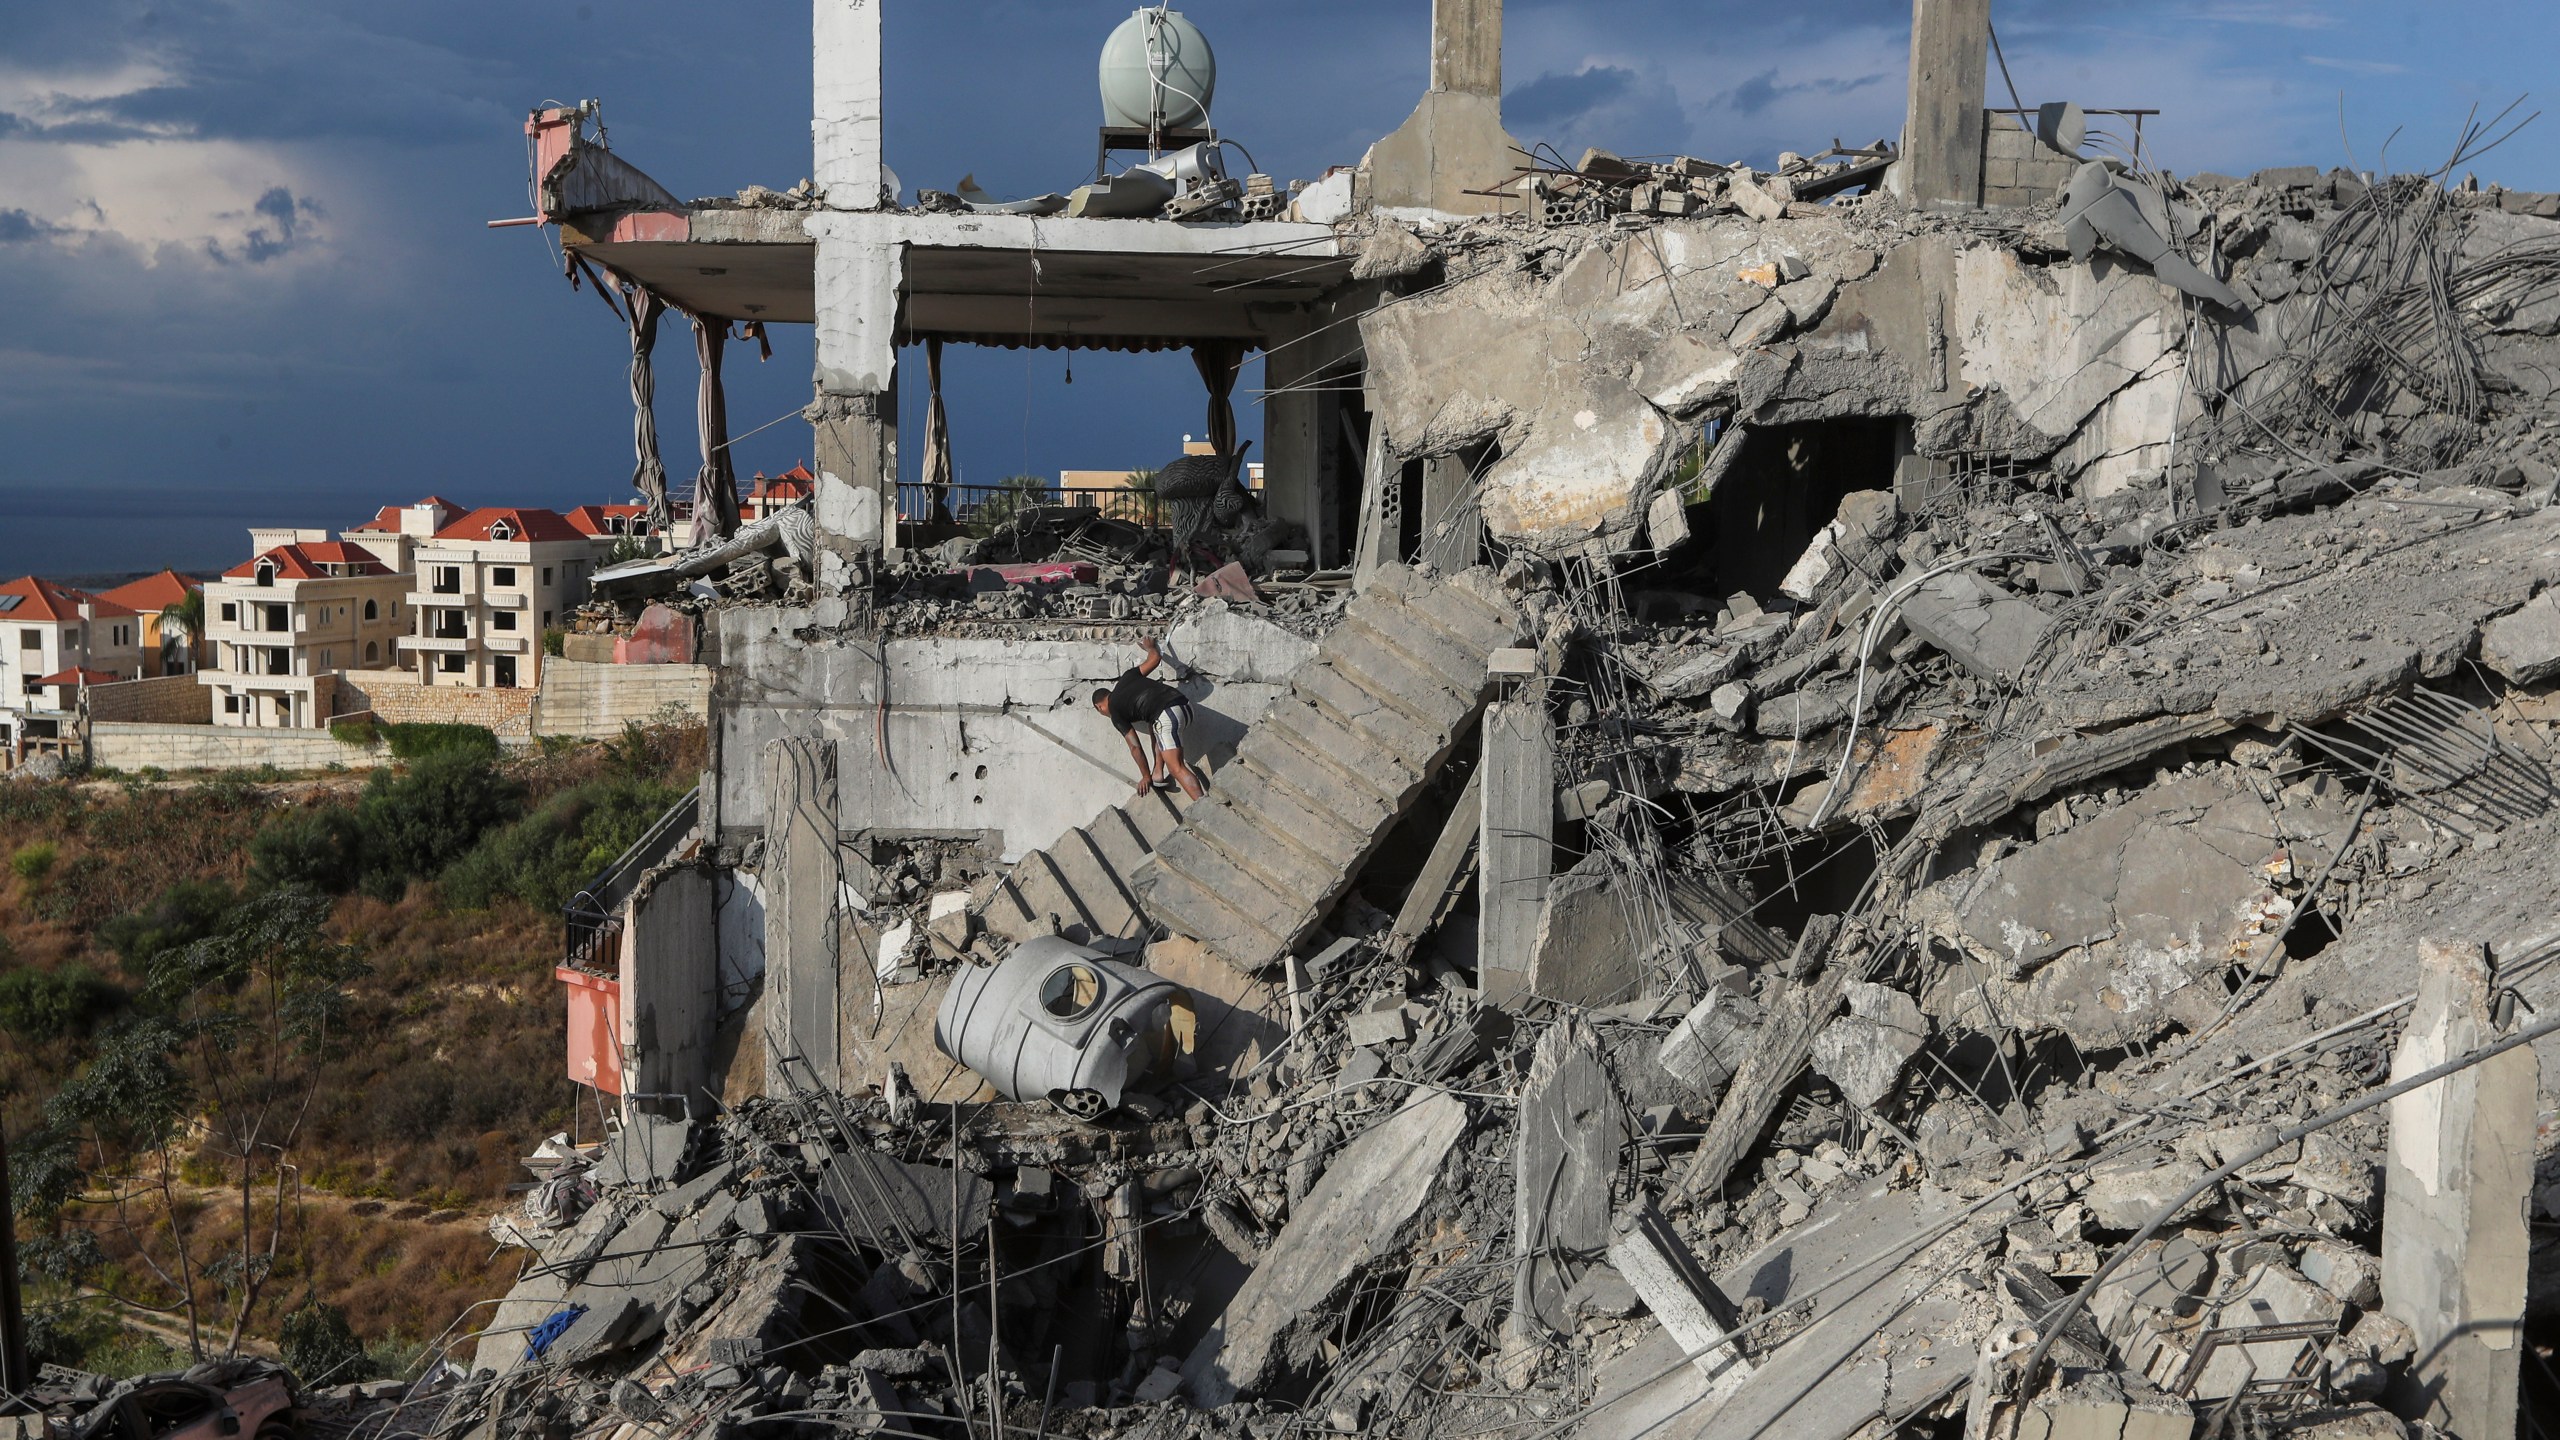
(287, 622)
(487, 586)
(166, 648)
(55, 640)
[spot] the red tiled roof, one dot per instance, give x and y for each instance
(152, 593)
(41, 599)
(303, 562)
(589, 519)
(78, 675)
(528, 525)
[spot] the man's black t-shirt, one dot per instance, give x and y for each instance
(1136, 701)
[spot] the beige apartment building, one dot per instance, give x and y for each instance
(286, 623)
(485, 588)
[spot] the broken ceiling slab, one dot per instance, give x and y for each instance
(1357, 1214)
(2102, 931)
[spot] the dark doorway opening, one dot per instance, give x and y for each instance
(1784, 487)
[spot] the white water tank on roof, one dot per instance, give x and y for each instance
(1158, 73)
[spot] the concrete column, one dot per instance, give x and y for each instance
(1292, 442)
(1466, 46)
(1516, 849)
(670, 997)
(1454, 141)
(800, 887)
(2458, 1176)
(844, 111)
(855, 415)
(1941, 163)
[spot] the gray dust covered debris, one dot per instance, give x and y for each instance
(1877, 891)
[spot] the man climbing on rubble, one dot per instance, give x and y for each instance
(1135, 703)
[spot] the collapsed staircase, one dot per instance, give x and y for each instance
(1084, 882)
(1318, 782)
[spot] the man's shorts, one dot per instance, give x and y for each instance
(1168, 728)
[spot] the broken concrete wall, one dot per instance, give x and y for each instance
(1586, 358)
(969, 737)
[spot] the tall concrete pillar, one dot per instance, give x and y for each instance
(1466, 47)
(844, 111)
(1454, 141)
(1941, 163)
(855, 415)
(2458, 1176)
(801, 881)
(1516, 848)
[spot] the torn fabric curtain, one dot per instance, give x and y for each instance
(715, 486)
(1218, 361)
(936, 471)
(649, 472)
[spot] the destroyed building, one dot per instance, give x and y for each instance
(1905, 792)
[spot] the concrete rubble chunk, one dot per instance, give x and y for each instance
(2524, 645)
(1355, 1214)
(1692, 1310)
(1571, 1131)
(1980, 626)
(1863, 1052)
(1708, 1045)
(2129, 1192)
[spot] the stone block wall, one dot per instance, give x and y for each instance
(2019, 169)
(161, 700)
(131, 745)
(396, 698)
(584, 698)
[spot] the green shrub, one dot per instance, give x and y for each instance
(321, 848)
(80, 892)
(362, 732)
(185, 912)
(35, 861)
(421, 741)
(321, 1348)
(37, 1005)
(547, 856)
(553, 641)
(415, 824)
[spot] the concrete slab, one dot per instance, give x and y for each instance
(1356, 1214)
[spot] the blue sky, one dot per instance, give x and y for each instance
(247, 282)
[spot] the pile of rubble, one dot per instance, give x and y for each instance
(1942, 932)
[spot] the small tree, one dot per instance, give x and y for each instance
(230, 1037)
(183, 620)
(1141, 503)
(1017, 494)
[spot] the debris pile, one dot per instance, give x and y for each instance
(1976, 860)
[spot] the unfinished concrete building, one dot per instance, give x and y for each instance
(1907, 791)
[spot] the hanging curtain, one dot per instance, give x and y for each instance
(1218, 362)
(936, 472)
(715, 486)
(642, 308)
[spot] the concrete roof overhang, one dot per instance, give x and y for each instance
(994, 279)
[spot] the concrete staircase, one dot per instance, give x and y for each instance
(1317, 783)
(1086, 879)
